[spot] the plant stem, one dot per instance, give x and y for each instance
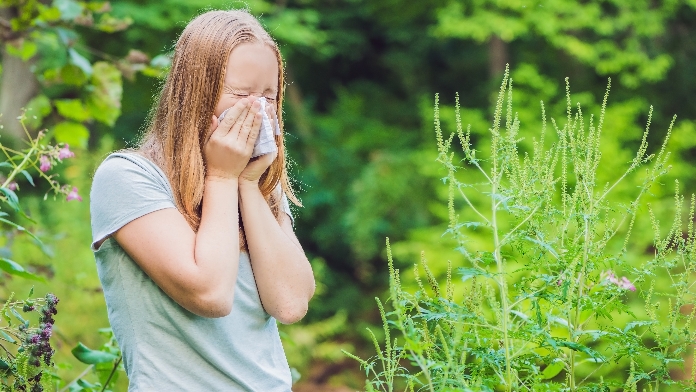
(84, 373)
(19, 167)
(503, 287)
(113, 370)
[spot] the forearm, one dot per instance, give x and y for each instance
(281, 269)
(217, 240)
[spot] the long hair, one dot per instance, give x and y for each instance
(180, 118)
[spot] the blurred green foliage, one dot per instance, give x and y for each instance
(361, 79)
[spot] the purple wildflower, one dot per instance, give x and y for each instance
(45, 163)
(12, 186)
(65, 152)
(73, 195)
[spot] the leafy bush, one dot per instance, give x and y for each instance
(540, 304)
(26, 354)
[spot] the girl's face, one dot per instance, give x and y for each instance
(252, 71)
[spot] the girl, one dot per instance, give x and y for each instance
(193, 240)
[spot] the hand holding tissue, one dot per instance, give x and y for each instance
(265, 142)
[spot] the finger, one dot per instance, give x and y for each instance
(246, 122)
(254, 129)
(233, 114)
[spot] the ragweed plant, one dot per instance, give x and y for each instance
(539, 305)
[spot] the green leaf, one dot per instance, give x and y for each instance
(72, 109)
(25, 50)
(81, 62)
(468, 273)
(7, 337)
(91, 357)
(552, 370)
(4, 365)
(581, 348)
(72, 75)
(72, 133)
(49, 14)
(69, 9)
(22, 228)
(37, 109)
(105, 100)
(11, 197)
(28, 177)
(85, 384)
(13, 268)
(636, 324)
(19, 317)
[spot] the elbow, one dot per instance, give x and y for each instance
(213, 305)
(291, 314)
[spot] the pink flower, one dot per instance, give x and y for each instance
(73, 195)
(12, 186)
(45, 163)
(65, 152)
(626, 284)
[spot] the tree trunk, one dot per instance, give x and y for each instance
(497, 56)
(17, 87)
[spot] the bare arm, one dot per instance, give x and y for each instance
(198, 270)
(283, 274)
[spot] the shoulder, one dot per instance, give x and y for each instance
(125, 167)
(127, 162)
(126, 186)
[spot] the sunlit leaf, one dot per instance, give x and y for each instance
(552, 370)
(72, 75)
(37, 109)
(105, 100)
(72, 109)
(24, 50)
(72, 133)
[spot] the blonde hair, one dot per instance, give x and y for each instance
(180, 118)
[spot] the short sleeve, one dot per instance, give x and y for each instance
(125, 187)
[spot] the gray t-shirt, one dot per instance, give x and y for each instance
(165, 347)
